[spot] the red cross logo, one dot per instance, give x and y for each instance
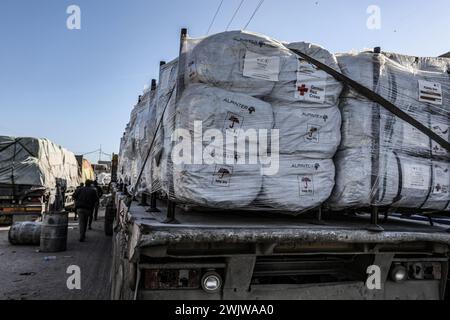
(303, 89)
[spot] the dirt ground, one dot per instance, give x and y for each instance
(26, 275)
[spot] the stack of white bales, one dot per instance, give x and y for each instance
(165, 112)
(240, 81)
(38, 163)
(384, 161)
(305, 104)
(136, 143)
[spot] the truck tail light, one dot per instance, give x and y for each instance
(33, 200)
(402, 271)
(172, 279)
(211, 282)
(399, 274)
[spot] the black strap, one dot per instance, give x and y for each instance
(373, 96)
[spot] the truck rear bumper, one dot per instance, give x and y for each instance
(412, 290)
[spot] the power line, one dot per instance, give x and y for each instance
(254, 13)
(92, 152)
(234, 15)
(215, 16)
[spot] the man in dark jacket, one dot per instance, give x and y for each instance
(85, 200)
(100, 195)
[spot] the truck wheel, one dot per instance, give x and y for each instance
(109, 220)
(117, 270)
(132, 275)
(118, 284)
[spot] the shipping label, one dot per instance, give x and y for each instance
(312, 133)
(311, 83)
(444, 132)
(430, 92)
(441, 180)
(261, 67)
(306, 183)
(416, 176)
(233, 122)
(222, 176)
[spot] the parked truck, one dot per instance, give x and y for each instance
(193, 231)
(33, 172)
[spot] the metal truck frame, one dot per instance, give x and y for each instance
(262, 257)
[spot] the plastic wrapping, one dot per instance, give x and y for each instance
(303, 83)
(299, 186)
(165, 118)
(245, 124)
(238, 61)
(310, 132)
(37, 163)
(384, 161)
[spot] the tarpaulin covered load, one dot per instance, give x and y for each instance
(87, 172)
(246, 85)
(38, 163)
(165, 110)
(301, 102)
(136, 143)
(385, 161)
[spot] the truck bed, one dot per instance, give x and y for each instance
(274, 256)
(220, 227)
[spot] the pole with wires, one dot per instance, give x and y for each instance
(215, 16)
(254, 13)
(234, 15)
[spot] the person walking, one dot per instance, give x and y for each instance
(85, 200)
(100, 195)
(76, 214)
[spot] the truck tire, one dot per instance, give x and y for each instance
(131, 275)
(117, 270)
(109, 220)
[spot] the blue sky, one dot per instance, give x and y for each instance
(77, 88)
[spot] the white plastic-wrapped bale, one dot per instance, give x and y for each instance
(385, 161)
(139, 142)
(303, 83)
(38, 163)
(225, 184)
(222, 110)
(418, 86)
(165, 112)
(300, 185)
(221, 186)
(364, 122)
(124, 160)
(393, 179)
(237, 61)
(312, 133)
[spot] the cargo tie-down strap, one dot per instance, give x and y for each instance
(375, 97)
(149, 151)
